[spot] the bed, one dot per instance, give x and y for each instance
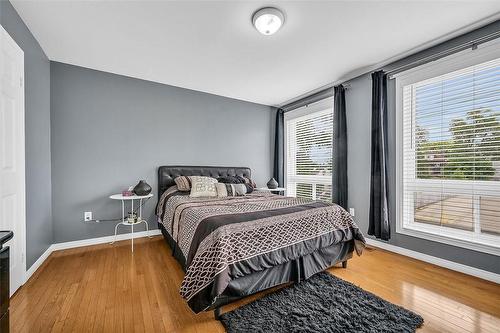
(233, 247)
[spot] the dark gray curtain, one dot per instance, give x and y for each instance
(279, 142)
(339, 181)
(379, 213)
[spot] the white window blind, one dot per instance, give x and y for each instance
(451, 153)
(309, 153)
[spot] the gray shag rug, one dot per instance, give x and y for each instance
(323, 303)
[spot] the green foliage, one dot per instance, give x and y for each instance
(468, 155)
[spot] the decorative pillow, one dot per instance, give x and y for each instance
(250, 182)
(231, 180)
(232, 190)
(183, 183)
(236, 180)
(203, 187)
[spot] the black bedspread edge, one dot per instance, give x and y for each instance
(294, 271)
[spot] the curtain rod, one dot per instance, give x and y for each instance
(472, 44)
(310, 99)
(313, 98)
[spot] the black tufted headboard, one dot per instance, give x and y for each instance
(167, 173)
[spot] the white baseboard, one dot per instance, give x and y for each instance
(486, 275)
(101, 240)
(85, 242)
(37, 263)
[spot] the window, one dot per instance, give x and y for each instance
(449, 150)
(308, 157)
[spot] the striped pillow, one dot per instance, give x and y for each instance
(183, 183)
(232, 190)
(250, 182)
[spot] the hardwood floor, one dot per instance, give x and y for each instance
(104, 288)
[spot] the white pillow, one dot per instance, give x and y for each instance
(203, 187)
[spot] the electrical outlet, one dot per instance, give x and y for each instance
(351, 211)
(87, 216)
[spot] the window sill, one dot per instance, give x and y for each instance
(455, 240)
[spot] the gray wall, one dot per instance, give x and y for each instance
(37, 108)
(358, 107)
(109, 131)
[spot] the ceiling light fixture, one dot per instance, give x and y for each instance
(268, 20)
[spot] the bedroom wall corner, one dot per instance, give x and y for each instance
(39, 229)
(272, 132)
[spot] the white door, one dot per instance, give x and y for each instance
(12, 183)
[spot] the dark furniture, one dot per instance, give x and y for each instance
(291, 271)
(167, 174)
(4, 281)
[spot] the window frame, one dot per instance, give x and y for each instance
(479, 242)
(323, 106)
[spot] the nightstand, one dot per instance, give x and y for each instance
(124, 219)
(279, 190)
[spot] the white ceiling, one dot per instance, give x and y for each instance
(212, 46)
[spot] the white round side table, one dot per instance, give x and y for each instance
(140, 220)
(279, 190)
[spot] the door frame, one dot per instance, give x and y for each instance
(22, 161)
